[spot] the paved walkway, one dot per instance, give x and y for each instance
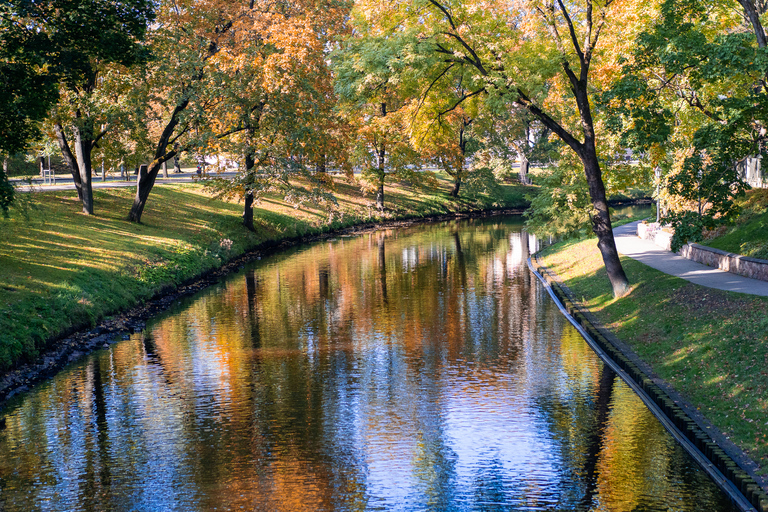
(64, 181)
(645, 251)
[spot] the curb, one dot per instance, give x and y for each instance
(741, 487)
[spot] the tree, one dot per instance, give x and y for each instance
(536, 55)
(703, 190)
(509, 135)
(65, 44)
(693, 95)
(207, 45)
(27, 80)
(441, 126)
(367, 80)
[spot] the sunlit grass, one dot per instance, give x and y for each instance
(61, 269)
(711, 345)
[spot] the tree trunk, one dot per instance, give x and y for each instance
(69, 159)
(248, 211)
(524, 167)
(601, 224)
(248, 208)
(320, 167)
(381, 161)
(601, 219)
(144, 183)
(83, 145)
(752, 14)
(456, 186)
(165, 169)
(381, 172)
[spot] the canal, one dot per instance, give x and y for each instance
(415, 369)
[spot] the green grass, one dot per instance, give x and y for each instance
(61, 269)
(711, 345)
(749, 234)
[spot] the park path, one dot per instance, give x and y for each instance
(645, 251)
(64, 182)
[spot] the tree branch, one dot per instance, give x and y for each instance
(461, 100)
(550, 123)
(572, 30)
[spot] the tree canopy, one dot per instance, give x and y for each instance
(290, 89)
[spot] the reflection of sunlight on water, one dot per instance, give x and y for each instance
(414, 370)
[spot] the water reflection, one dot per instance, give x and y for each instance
(423, 369)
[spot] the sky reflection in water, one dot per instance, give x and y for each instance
(421, 369)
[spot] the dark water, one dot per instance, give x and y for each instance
(422, 369)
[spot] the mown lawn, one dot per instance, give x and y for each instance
(60, 268)
(711, 345)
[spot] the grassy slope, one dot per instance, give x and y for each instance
(59, 268)
(749, 235)
(711, 345)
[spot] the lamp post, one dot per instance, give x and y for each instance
(657, 172)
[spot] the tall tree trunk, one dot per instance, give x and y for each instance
(320, 167)
(248, 207)
(69, 159)
(144, 183)
(601, 219)
(248, 211)
(587, 153)
(165, 169)
(381, 154)
(381, 161)
(456, 185)
(524, 167)
(83, 146)
(752, 14)
(601, 222)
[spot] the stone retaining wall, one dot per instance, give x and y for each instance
(729, 262)
(653, 232)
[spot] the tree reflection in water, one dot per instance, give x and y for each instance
(421, 369)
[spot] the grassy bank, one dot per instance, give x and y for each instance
(749, 234)
(711, 345)
(59, 268)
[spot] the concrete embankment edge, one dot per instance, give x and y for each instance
(742, 488)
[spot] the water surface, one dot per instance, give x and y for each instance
(420, 369)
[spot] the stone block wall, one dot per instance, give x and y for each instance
(729, 262)
(652, 231)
